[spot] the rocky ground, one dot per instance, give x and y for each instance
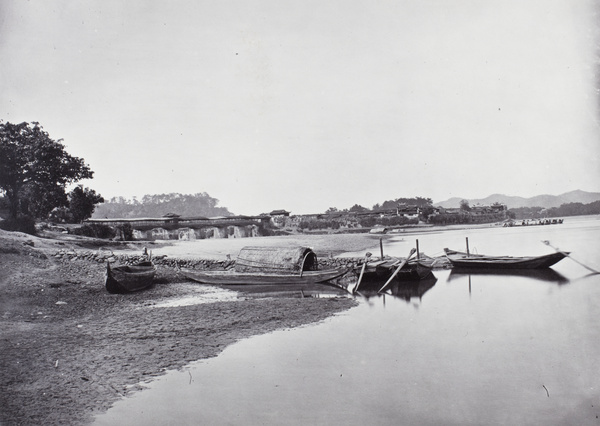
(69, 349)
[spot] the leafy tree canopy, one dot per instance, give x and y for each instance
(35, 169)
(415, 201)
(358, 208)
(158, 205)
(82, 202)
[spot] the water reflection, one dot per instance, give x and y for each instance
(547, 275)
(369, 289)
(405, 290)
(286, 290)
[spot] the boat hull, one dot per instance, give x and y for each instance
(479, 261)
(382, 270)
(129, 278)
(252, 278)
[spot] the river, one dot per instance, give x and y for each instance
(468, 350)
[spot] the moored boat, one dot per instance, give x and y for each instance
(383, 269)
(375, 278)
(250, 278)
(269, 265)
(469, 260)
(129, 278)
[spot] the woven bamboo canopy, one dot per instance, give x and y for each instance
(283, 260)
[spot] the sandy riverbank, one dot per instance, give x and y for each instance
(69, 349)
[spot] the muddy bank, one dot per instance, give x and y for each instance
(69, 349)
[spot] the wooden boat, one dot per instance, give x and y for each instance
(414, 269)
(371, 283)
(269, 265)
(248, 278)
(129, 278)
(480, 261)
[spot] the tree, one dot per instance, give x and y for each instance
(200, 204)
(82, 202)
(415, 201)
(358, 208)
(464, 205)
(35, 169)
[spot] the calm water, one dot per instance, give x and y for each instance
(473, 349)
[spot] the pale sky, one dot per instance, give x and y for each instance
(308, 104)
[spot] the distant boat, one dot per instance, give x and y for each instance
(532, 222)
(269, 265)
(129, 278)
(466, 260)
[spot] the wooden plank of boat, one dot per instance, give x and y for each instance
(464, 260)
(381, 270)
(129, 278)
(235, 278)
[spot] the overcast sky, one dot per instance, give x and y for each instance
(304, 105)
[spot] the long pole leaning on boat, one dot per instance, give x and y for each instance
(569, 256)
(412, 251)
(362, 271)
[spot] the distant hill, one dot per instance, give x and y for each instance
(545, 200)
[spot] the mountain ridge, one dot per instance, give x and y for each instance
(512, 201)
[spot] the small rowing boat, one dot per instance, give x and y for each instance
(382, 269)
(468, 260)
(129, 278)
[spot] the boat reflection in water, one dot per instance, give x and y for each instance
(261, 291)
(546, 275)
(405, 290)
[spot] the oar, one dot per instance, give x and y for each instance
(569, 256)
(412, 251)
(362, 271)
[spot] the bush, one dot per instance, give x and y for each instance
(313, 225)
(397, 220)
(265, 231)
(61, 215)
(367, 222)
(125, 231)
(21, 224)
(95, 231)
